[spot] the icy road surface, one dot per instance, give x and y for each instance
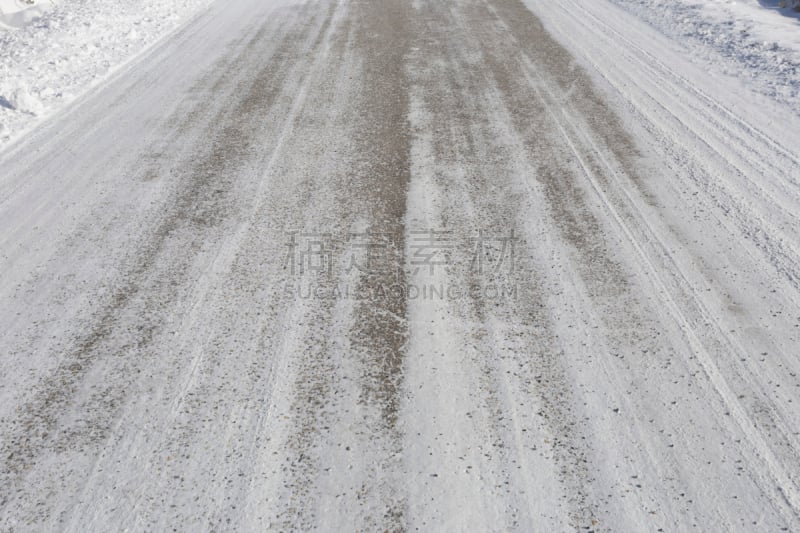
(387, 265)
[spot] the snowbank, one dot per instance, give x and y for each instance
(753, 40)
(53, 51)
(20, 13)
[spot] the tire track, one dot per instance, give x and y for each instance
(119, 339)
(467, 84)
(352, 351)
(600, 174)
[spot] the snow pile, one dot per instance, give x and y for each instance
(754, 40)
(53, 51)
(19, 13)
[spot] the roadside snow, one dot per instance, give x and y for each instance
(20, 13)
(753, 40)
(51, 54)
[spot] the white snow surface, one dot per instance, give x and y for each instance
(754, 40)
(20, 13)
(651, 385)
(53, 52)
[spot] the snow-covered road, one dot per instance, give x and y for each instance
(474, 265)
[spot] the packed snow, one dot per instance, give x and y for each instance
(55, 50)
(52, 52)
(166, 366)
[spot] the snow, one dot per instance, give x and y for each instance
(753, 40)
(55, 50)
(157, 375)
(20, 13)
(52, 52)
(724, 165)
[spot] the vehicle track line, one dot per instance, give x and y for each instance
(783, 481)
